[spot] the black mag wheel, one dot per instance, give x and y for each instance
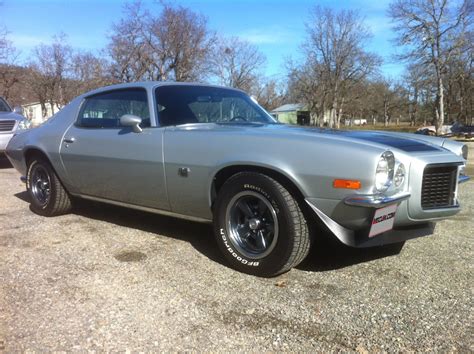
(40, 184)
(252, 223)
(259, 225)
(48, 196)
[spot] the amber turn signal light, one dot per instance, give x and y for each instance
(346, 183)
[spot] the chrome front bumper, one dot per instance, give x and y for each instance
(375, 200)
(4, 139)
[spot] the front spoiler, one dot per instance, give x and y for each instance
(361, 239)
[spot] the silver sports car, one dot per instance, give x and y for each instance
(212, 154)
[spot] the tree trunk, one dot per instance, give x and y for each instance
(334, 108)
(333, 115)
(314, 118)
(51, 103)
(440, 117)
(386, 117)
(44, 111)
(322, 116)
(462, 115)
(339, 115)
(413, 109)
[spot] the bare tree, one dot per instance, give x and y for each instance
(181, 35)
(40, 87)
(51, 67)
(130, 55)
(269, 93)
(383, 90)
(416, 79)
(335, 44)
(173, 45)
(432, 31)
(237, 63)
(307, 84)
(88, 72)
(9, 73)
(460, 83)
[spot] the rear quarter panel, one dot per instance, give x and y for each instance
(47, 138)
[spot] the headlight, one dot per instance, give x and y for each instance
(24, 124)
(384, 171)
(399, 175)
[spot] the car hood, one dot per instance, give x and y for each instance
(10, 116)
(402, 141)
(407, 142)
(394, 140)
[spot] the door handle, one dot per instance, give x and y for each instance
(69, 140)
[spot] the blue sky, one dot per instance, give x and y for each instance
(277, 27)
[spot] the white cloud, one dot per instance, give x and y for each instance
(27, 41)
(267, 35)
(378, 23)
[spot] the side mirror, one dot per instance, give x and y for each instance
(129, 120)
(18, 110)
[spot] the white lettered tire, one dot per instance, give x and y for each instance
(259, 225)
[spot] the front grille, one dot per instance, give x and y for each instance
(438, 188)
(7, 125)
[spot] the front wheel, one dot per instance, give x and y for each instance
(47, 194)
(259, 225)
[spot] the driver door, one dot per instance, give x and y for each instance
(109, 161)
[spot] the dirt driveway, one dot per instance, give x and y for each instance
(107, 278)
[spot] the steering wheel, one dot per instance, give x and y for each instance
(238, 118)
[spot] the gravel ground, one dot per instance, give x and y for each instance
(107, 278)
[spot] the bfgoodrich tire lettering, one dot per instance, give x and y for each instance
(47, 194)
(259, 225)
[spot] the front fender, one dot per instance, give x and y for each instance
(242, 163)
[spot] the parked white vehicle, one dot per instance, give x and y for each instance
(361, 121)
(431, 130)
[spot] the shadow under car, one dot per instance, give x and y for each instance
(327, 253)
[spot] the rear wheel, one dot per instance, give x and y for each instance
(259, 225)
(47, 194)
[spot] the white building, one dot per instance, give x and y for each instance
(33, 112)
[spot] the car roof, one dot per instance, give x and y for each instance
(152, 85)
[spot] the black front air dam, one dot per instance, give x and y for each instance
(361, 239)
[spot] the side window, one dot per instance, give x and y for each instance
(4, 106)
(105, 109)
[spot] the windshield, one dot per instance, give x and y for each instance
(4, 106)
(200, 104)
